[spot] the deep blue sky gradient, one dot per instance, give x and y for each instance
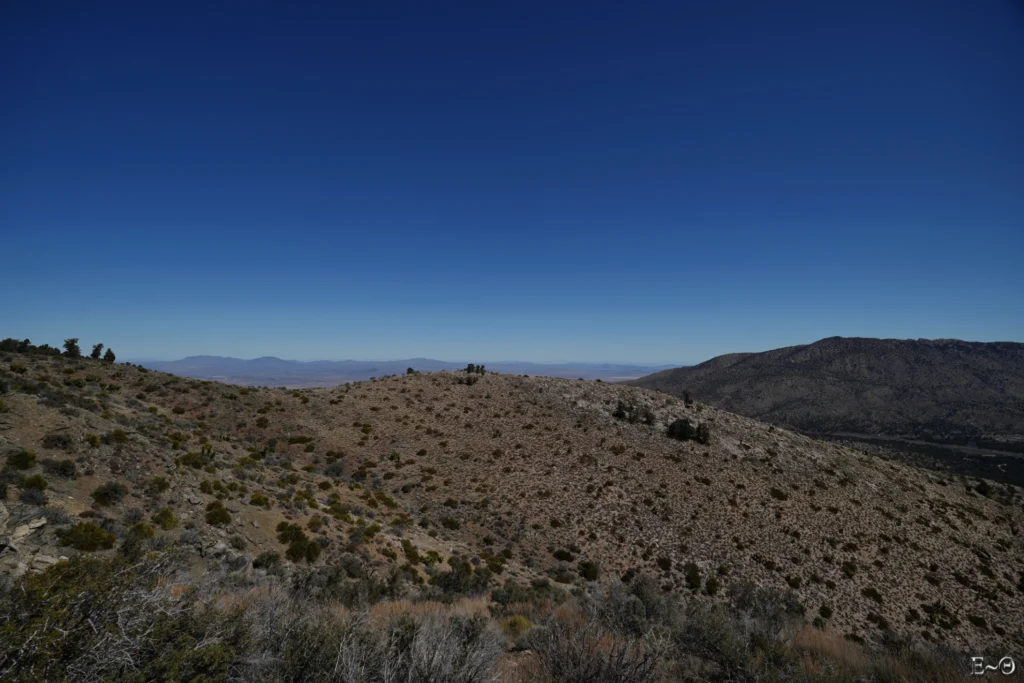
(535, 181)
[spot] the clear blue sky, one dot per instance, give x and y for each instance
(513, 180)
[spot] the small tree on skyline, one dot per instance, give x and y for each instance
(71, 348)
(109, 356)
(97, 351)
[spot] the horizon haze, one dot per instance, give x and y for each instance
(272, 371)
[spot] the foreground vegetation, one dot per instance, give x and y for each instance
(143, 619)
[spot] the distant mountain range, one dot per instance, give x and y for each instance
(271, 371)
(942, 391)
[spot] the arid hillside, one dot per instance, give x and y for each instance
(537, 480)
(942, 391)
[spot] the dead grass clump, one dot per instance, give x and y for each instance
(575, 646)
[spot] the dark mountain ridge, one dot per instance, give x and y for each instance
(940, 391)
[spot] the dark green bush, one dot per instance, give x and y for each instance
(165, 519)
(60, 442)
(60, 468)
(36, 481)
(33, 496)
(217, 514)
(88, 537)
(303, 549)
(692, 574)
(681, 429)
(193, 460)
(110, 493)
(462, 579)
(589, 570)
(117, 436)
(267, 560)
(299, 546)
(23, 460)
(142, 530)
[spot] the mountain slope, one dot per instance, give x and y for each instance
(940, 391)
(532, 477)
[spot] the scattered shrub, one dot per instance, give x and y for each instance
(32, 496)
(110, 493)
(36, 481)
(23, 460)
(142, 530)
(681, 430)
(589, 570)
(60, 442)
(692, 575)
(267, 560)
(117, 436)
(60, 468)
(165, 519)
(217, 514)
(87, 537)
(516, 626)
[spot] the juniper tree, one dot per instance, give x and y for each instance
(71, 348)
(97, 350)
(681, 429)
